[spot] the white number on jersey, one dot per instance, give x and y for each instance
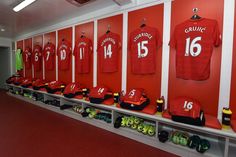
(81, 52)
(36, 57)
(132, 92)
(100, 90)
(63, 54)
(188, 105)
(72, 86)
(191, 45)
(26, 57)
(142, 46)
(107, 51)
(48, 55)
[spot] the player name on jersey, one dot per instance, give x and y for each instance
(194, 41)
(148, 35)
(195, 29)
(82, 44)
(108, 40)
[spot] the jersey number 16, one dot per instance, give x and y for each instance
(192, 47)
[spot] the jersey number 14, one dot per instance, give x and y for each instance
(107, 51)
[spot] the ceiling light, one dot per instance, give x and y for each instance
(2, 29)
(22, 5)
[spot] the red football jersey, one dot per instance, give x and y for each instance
(64, 55)
(194, 41)
(37, 58)
(49, 56)
(144, 42)
(108, 49)
(27, 58)
(83, 49)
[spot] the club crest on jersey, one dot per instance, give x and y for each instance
(195, 29)
(143, 35)
(108, 39)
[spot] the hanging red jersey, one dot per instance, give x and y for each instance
(64, 55)
(82, 51)
(37, 58)
(108, 49)
(144, 42)
(194, 41)
(49, 56)
(27, 58)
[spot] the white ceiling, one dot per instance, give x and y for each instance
(41, 13)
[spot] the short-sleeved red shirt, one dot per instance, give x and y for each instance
(108, 50)
(82, 51)
(194, 41)
(64, 55)
(49, 56)
(37, 57)
(27, 58)
(143, 44)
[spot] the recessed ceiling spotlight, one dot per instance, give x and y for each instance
(22, 5)
(2, 29)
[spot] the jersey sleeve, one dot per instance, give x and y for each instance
(216, 35)
(173, 41)
(118, 42)
(130, 42)
(70, 50)
(90, 46)
(159, 39)
(53, 49)
(98, 45)
(68, 44)
(58, 50)
(43, 52)
(75, 50)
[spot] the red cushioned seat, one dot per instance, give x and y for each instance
(150, 109)
(109, 101)
(78, 97)
(43, 89)
(212, 122)
(87, 99)
(233, 125)
(58, 93)
(166, 114)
